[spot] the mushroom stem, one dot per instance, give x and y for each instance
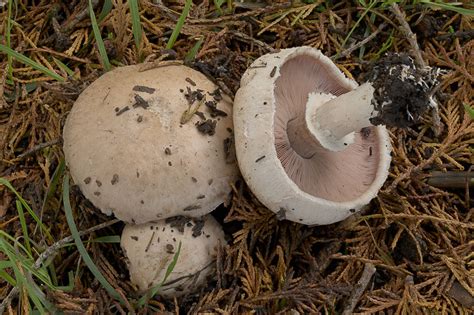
(331, 121)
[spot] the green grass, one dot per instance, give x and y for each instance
(191, 55)
(98, 38)
(179, 25)
(469, 110)
(80, 246)
(27, 61)
(456, 7)
(153, 291)
(25, 205)
(8, 39)
(218, 4)
(136, 25)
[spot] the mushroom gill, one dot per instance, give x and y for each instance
(335, 176)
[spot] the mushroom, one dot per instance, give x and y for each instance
(148, 145)
(151, 247)
(304, 141)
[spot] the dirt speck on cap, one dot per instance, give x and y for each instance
(207, 127)
(145, 89)
(115, 179)
(87, 180)
(178, 222)
(192, 207)
(197, 228)
(140, 102)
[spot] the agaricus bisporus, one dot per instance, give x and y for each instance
(150, 248)
(148, 145)
(305, 143)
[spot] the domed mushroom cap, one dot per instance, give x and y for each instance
(151, 247)
(304, 183)
(135, 148)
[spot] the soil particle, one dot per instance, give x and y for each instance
(197, 228)
(192, 207)
(142, 88)
(140, 102)
(209, 182)
(192, 96)
(402, 91)
(169, 248)
(194, 179)
(281, 215)
(259, 159)
(169, 163)
(216, 94)
(215, 112)
(229, 150)
(140, 119)
(200, 115)
(115, 179)
(87, 180)
(272, 73)
(190, 81)
(98, 182)
(121, 111)
(201, 197)
(365, 132)
(97, 193)
(179, 222)
(207, 127)
(135, 238)
(167, 151)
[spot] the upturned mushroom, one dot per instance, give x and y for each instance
(148, 145)
(151, 247)
(304, 139)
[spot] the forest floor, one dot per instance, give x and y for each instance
(410, 251)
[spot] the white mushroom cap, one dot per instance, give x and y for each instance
(151, 247)
(325, 186)
(130, 154)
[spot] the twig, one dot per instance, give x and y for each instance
(411, 37)
(50, 251)
(349, 50)
(244, 37)
(37, 148)
(359, 289)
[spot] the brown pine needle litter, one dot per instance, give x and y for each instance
(411, 251)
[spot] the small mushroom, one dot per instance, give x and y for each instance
(135, 133)
(151, 247)
(305, 144)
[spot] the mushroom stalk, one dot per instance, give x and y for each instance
(331, 121)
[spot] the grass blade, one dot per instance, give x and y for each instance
(179, 24)
(469, 110)
(80, 246)
(8, 38)
(136, 25)
(449, 6)
(27, 61)
(63, 67)
(153, 291)
(98, 38)
(106, 8)
(7, 184)
(193, 52)
(24, 228)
